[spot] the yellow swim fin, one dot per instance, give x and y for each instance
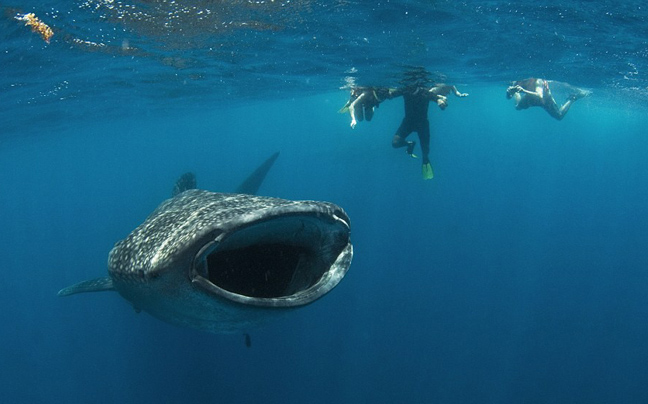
(426, 171)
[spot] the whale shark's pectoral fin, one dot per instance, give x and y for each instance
(93, 285)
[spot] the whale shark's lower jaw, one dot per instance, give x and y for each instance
(282, 259)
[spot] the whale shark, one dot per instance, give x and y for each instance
(222, 262)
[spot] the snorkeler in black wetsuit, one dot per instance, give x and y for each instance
(416, 101)
(533, 92)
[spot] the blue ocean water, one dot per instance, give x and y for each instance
(519, 274)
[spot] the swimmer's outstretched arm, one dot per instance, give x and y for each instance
(354, 122)
(457, 93)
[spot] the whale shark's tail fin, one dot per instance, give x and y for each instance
(93, 285)
(252, 183)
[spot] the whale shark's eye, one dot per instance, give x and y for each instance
(275, 258)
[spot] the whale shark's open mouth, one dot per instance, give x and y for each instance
(287, 260)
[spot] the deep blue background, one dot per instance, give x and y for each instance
(517, 275)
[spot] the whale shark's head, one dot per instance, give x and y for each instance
(284, 256)
(218, 261)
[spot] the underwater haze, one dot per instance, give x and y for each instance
(519, 274)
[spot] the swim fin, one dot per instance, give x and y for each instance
(426, 171)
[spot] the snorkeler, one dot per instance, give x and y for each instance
(416, 99)
(362, 102)
(535, 92)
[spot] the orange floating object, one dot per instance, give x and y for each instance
(37, 26)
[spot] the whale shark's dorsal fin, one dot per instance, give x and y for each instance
(185, 182)
(252, 183)
(93, 285)
(250, 186)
